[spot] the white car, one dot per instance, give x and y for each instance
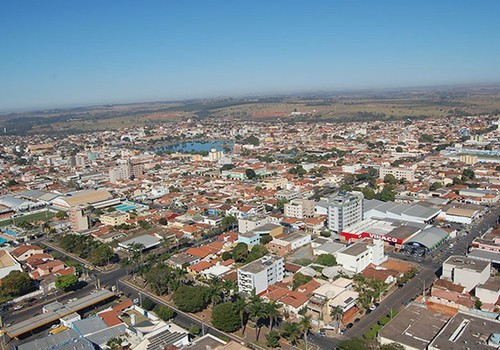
(18, 307)
(373, 307)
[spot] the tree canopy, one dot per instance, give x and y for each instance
(190, 298)
(225, 317)
(16, 283)
(66, 281)
(326, 260)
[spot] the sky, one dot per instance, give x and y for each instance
(68, 53)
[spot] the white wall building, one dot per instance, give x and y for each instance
(260, 274)
(344, 209)
(250, 223)
(358, 256)
(398, 173)
(466, 271)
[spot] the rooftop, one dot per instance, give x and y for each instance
(467, 263)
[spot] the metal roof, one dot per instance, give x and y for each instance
(429, 237)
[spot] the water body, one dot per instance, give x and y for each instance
(188, 147)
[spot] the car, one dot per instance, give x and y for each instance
(322, 334)
(18, 307)
(54, 326)
(349, 326)
(368, 312)
(342, 331)
(373, 307)
(357, 320)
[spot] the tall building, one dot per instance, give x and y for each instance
(214, 155)
(344, 209)
(260, 274)
(79, 220)
(119, 173)
(398, 173)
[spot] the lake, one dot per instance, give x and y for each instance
(188, 147)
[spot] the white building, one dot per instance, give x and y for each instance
(250, 223)
(466, 271)
(398, 173)
(299, 208)
(260, 274)
(351, 168)
(8, 264)
(358, 256)
(214, 155)
(344, 209)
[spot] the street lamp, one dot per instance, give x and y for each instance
(390, 310)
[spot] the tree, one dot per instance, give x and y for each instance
(272, 339)
(148, 304)
(16, 283)
(305, 326)
(165, 313)
(163, 221)
(225, 317)
(257, 311)
(194, 329)
(66, 282)
(240, 252)
(326, 260)
(226, 256)
(390, 179)
(291, 331)
(336, 314)
(426, 138)
(399, 149)
(299, 279)
(190, 298)
(325, 233)
(387, 194)
(435, 186)
(251, 140)
(468, 174)
(240, 306)
(228, 222)
(273, 312)
(250, 174)
(265, 239)
(100, 255)
(478, 304)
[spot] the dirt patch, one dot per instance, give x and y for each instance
(398, 265)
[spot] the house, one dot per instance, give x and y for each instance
(466, 271)
(23, 252)
(284, 244)
(8, 264)
(358, 256)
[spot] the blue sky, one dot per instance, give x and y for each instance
(62, 53)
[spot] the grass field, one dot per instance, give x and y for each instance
(28, 218)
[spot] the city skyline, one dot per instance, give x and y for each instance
(61, 54)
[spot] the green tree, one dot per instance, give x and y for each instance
(325, 233)
(390, 179)
(273, 312)
(190, 298)
(478, 304)
(273, 339)
(305, 326)
(257, 311)
(292, 332)
(240, 306)
(225, 317)
(16, 283)
(387, 194)
(468, 174)
(101, 255)
(426, 138)
(436, 185)
(392, 346)
(265, 239)
(66, 282)
(326, 260)
(257, 252)
(194, 329)
(336, 314)
(148, 304)
(240, 252)
(299, 279)
(229, 222)
(226, 256)
(368, 193)
(251, 140)
(250, 174)
(399, 149)
(164, 312)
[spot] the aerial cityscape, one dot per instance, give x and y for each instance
(164, 186)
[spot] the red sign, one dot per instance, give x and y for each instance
(349, 236)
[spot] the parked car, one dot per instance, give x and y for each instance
(18, 307)
(349, 326)
(373, 307)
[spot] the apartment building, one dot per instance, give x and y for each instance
(114, 219)
(287, 243)
(344, 209)
(79, 219)
(260, 274)
(250, 223)
(299, 208)
(398, 173)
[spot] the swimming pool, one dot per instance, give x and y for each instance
(2, 240)
(9, 232)
(125, 207)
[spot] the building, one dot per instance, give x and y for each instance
(79, 219)
(466, 271)
(413, 327)
(358, 256)
(466, 331)
(96, 198)
(250, 238)
(115, 218)
(299, 208)
(249, 223)
(374, 208)
(344, 209)
(398, 173)
(489, 293)
(260, 274)
(119, 173)
(351, 168)
(8, 264)
(22, 253)
(214, 155)
(286, 243)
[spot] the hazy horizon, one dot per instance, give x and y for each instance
(64, 55)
